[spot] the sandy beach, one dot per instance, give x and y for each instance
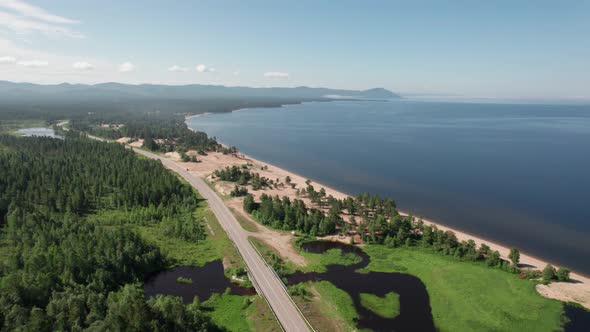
(577, 291)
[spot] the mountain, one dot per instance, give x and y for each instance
(11, 90)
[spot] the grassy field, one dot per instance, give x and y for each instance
(241, 313)
(216, 246)
(387, 306)
(245, 223)
(467, 296)
(328, 308)
(318, 263)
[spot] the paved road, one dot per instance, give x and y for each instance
(270, 285)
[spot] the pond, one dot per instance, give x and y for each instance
(48, 132)
(414, 303)
(579, 319)
(204, 282)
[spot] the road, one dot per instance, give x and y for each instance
(268, 283)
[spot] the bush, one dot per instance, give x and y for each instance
(563, 274)
(548, 273)
(239, 191)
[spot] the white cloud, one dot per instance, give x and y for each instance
(59, 67)
(176, 68)
(35, 12)
(126, 67)
(23, 26)
(82, 65)
(7, 59)
(201, 68)
(276, 74)
(33, 63)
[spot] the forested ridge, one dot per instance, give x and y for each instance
(68, 260)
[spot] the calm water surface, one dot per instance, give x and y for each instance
(516, 174)
(207, 280)
(38, 132)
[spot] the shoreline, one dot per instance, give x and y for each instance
(461, 235)
(577, 290)
(579, 282)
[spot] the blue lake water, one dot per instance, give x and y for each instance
(515, 174)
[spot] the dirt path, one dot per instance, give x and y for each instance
(280, 241)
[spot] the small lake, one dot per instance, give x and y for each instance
(414, 303)
(47, 132)
(206, 281)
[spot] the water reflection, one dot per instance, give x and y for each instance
(206, 280)
(47, 132)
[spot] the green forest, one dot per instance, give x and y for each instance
(68, 259)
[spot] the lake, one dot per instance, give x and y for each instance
(28, 132)
(516, 174)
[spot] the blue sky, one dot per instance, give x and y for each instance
(494, 49)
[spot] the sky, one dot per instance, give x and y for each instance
(472, 49)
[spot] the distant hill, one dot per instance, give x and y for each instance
(11, 90)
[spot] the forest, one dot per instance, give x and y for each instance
(377, 221)
(68, 262)
(160, 122)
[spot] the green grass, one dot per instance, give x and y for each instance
(216, 246)
(466, 296)
(240, 313)
(328, 308)
(183, 280)
(188, 253)
(387, 306)
(268, 254)
(246, 224)
(318, 262)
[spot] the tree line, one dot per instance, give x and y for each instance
(291, 215)
(63, 265)
(243, 176)
(377, 220)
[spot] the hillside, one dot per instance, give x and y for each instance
(11, 90)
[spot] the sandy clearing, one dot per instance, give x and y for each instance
(173, 155)
(281, 241)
